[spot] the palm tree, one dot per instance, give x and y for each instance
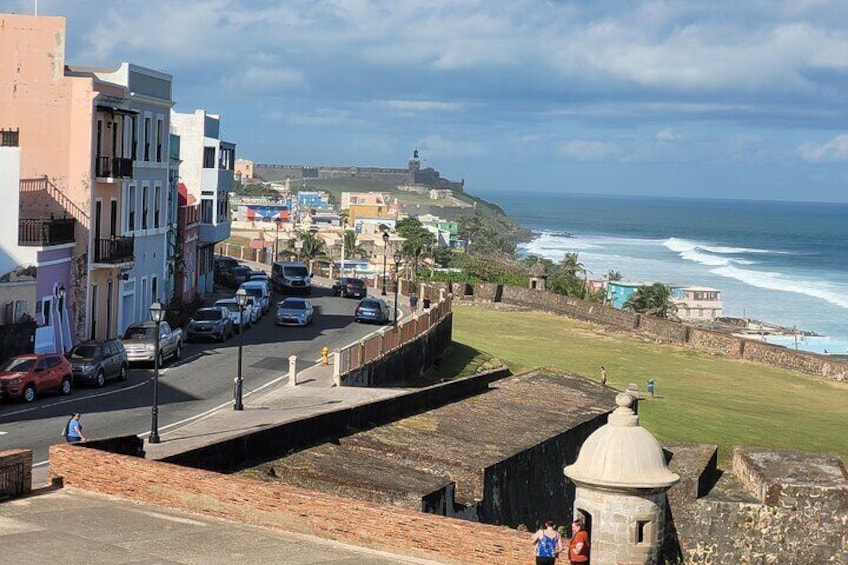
(312, 247)
(654, 300)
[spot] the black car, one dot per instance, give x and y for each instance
(95, 362)
(235, 276)
(349, 287)
(372, 310)
(223, 268)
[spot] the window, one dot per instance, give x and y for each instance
(643, 531)
(134, 128)
(131, 207)
(208, 157)
(147, 134)
(157, 199)
(144, 193)
(154, 289)
(206, 211)
(159, 139)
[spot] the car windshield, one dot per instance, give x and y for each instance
(254, 291)
(242, 271)
(296, 271)
(139, 332)
(14, 365)
(231, 306)
(207, 315)
(293, 305)
(355, 282)
(369, 304)
(85, 352)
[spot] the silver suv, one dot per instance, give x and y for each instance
(95, 362)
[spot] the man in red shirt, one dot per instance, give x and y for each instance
(578, 546)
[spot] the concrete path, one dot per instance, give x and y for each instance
(71, 526)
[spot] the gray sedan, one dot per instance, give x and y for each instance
(295, 312)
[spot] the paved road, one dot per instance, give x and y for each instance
(201, 382)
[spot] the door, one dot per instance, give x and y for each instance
(109, 297)
(113, 218)
(98, 208)
(94, 311)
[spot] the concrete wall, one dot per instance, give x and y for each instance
(288, 508)
(668, 331)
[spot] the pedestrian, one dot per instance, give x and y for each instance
(603, 376)
(651, 386)
(413, 302)
(578, 545)
(73, 430)
(548, 544)
(426, 302)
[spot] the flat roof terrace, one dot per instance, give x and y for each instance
(405, 461)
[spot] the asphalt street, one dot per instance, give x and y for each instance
(199, 383)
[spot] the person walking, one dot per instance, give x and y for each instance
(73, 430)
(426, 303)
(548, 544)
(603, 376)
(413, 301)
(578, 545)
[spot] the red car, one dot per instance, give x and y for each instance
(27, 376)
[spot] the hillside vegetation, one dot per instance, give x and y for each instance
(699, 398)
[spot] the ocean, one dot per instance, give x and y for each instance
(784, 263)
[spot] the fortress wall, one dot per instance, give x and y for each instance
(667, 330)
(287, 508)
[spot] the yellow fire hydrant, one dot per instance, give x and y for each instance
(325, 355)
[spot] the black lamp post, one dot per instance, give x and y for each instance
(277, 221)
(241, 300)
(397, 258)
(385, 253)
(157, 314)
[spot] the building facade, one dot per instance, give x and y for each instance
(207, 165)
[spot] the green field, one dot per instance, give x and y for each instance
(699, 398)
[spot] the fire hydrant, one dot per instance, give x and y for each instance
(325, 355)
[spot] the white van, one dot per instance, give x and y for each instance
(259, 291)
(291, 277)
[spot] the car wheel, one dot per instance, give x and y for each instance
(123, 373)
(100, 379)
(178, 352)
(65, 388)
(29, 393)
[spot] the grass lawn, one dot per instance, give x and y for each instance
(699, 398)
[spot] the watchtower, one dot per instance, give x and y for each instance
(538, 275)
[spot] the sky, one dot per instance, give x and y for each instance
(664, 98)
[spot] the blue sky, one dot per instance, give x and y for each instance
(696, 99)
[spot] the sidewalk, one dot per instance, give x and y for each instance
(280, 403)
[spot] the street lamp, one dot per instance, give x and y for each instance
(277, 221)
(157, 314)
(385, 253)
(241, 300)
(397, 258)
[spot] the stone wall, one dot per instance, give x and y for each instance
(667, 330)
(16, 472)
(288, 508)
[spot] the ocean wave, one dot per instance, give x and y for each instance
(709, 255)
(823, 290)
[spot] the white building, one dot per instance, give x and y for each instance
(206, 169)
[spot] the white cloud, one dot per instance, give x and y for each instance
(439, 146)
(422, 105)
(667, 135)
(586, 150)
(266, 79)
(321, 117)
(835, 150)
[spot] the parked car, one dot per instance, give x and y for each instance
(213, 322)
(239, 320)
(372, 310)
(26, 376)
(259, 291)
(348, 287)
(291, 277)
(95, 362)
(140, 342)
(295, 312)
(223, 267)
(263, 277)
(235, 276)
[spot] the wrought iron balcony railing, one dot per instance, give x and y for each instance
(43, 232)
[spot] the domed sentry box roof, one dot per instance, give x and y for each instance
(622, 454)
(538, 269)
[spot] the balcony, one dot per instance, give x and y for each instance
(114, 251)
(213, 233)
(41, 232)
(113, 168)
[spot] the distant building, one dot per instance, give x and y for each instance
(243, 171)
(440, 193)
(414, 188)
(694, 303)
(368, 211)
(349, 199)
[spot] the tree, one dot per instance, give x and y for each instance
(654, 300)
(312, 246)
(614, 275)
(418, 238)
(351, 245)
